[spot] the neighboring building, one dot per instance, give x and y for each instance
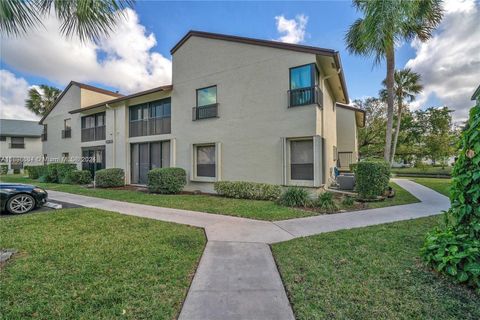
(20, 143)
(237, 109)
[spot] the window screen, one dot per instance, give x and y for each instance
(301, 160)
(205, 161)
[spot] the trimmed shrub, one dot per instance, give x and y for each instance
(294, 197)
(371, 178)
(166, 180)
(3, 168)
(248, 190)
(325, 202)
(35, 172)
(107, 178)
(57, 172)
(16, 171)
(79, 177)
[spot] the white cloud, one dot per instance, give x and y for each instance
(449, 63)
(293, 30)
(13, 92)
(124, 60)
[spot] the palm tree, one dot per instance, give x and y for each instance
(386, 23)
(89, 19)
(41, 99)
(406, 86)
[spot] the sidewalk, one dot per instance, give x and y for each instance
(237, 277)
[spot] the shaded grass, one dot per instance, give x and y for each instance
(440, 185)
(93, 264)
(254, 209)
(370, 273)
(425, 170)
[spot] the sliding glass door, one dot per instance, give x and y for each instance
(94, 159)
(146, 156)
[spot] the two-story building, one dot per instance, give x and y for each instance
(20, 144)
(238, 109)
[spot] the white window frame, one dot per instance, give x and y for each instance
(218, 162)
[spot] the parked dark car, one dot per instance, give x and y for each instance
(20, 198)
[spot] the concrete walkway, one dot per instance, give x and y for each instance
(237, 277)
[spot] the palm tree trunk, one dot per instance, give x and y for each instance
(390, 81)
(397, 130)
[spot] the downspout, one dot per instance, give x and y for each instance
(114, 133)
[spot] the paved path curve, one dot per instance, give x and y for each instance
(237, 277)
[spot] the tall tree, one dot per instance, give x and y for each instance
(384, 25)
(89, 19)
(371, 137)
(440, 137)
(406, 86)
(41, 99)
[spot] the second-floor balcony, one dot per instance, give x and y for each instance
(93, 134)
(305, 96)
(205, 112)
(66, 133)
(151, 126)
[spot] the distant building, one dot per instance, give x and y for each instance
(20, 143)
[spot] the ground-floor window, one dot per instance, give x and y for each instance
(146, 156)
(16, 164)
(301, 159)
(204, 159)
(94, 159)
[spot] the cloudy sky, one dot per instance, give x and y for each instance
(136, 57)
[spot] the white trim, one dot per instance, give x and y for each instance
(193, 167)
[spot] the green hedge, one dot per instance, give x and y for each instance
(57, 172)
(79, 177)
(113, 177)
(3, 168)
(371, 178)
(247, 190)
(35, 172)
(166, 180)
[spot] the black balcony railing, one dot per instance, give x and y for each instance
(305, 96)
(205, 112)
(93, 134)
(17, 145)
(67, 133)
(152, 126)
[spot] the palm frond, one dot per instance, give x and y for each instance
(17, 16)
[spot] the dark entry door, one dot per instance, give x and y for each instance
(146, 156)
(144, 163)
(97, 157)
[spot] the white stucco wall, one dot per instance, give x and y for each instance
(32, 153)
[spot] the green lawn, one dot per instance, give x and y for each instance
(262, 210)
(370, 273)
(430, 170)
(440, 185)
(93, 264)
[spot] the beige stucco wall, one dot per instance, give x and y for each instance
(89, 97)
(347, 132)
(252, 84)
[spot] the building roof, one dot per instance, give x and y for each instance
(20, 128)
(83, 86)
(272, 44)
(360, 115)
(476, 93)
(134, 95)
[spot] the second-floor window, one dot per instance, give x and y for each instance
(303, 85)
(93, 127)
(207, 106)
(67, 129)
(17, 143)
(151, 118)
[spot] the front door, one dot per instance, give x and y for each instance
(97, 157)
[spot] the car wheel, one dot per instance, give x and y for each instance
(20, 203)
